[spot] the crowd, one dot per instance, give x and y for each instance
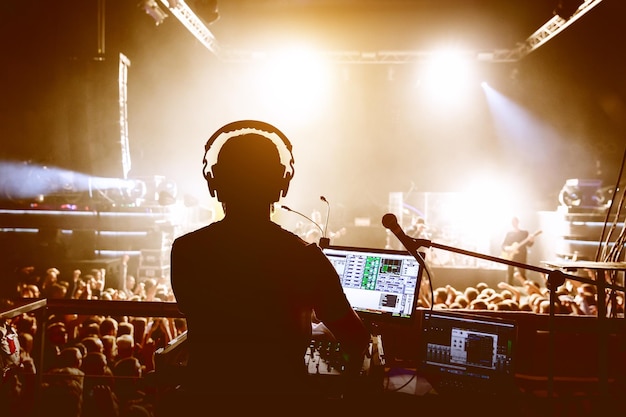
(86, 365)
(103, 365)
(572, 298)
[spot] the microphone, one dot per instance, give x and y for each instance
(390, 221)
(327, 214)
(325, 240)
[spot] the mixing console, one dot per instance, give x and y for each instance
(324, 357)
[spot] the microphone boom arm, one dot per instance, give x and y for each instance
(555, 279)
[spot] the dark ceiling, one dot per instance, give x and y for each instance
(363, 25)
(577, 80)
(40, 28)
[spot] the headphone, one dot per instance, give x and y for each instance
(242, 127)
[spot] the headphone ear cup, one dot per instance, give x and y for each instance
(285, 184)
(211, 182)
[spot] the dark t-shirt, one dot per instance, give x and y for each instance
(248, 297)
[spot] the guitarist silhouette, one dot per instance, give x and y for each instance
(515, 248)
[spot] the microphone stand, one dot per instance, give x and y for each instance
(555, 278)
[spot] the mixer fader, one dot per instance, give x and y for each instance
(325, 357)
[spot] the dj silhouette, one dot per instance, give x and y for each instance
(249, 288)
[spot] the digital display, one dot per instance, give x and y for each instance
(378, 283)
(470, 350)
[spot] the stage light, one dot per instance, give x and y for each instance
(295, 80)
(581, 193)
(137, 189)
(566, 8)
(153, 10)
(446, 76)
(167, 191)
(447, 67)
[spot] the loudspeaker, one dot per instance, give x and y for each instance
(83, 245)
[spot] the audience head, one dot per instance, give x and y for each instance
(125, 346)
(471, 293)
(128, 367)
(57, 333)
(125, 327)
(70, 357)
(108, 326)
(109, 344)
(95, 363)
(462, 301)
(93, 344)
(479, 304)
(440, 296)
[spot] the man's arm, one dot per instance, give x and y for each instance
(334, 310)
(354, 337)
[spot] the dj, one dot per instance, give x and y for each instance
(249, 288)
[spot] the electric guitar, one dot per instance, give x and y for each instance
(510, 251)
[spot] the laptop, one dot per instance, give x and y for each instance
(380, 284)
(464, 353)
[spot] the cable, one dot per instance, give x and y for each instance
(401, 386)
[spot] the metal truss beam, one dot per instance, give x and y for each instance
(547, 31)
(371, 57)
(550, 29)
(193, 24)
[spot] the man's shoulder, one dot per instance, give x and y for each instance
(286, 235)
(292, 239)
(196, 235)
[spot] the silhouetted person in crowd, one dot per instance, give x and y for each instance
(248, 288)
